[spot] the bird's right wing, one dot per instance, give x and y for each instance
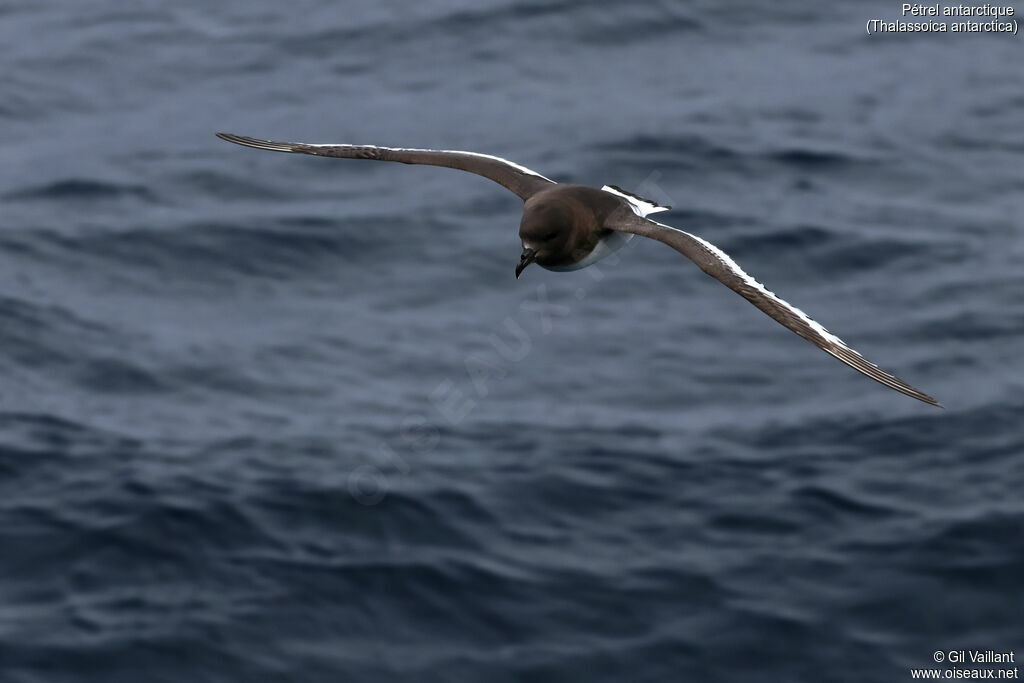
(720, 266)
(519, 179)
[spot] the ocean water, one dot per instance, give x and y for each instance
(271, 417)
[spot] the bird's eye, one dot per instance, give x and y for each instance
(550, 236)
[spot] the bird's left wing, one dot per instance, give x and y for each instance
(720, 266)
(519, 179)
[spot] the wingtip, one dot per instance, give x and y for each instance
(919, 395)
(925, 398)
(257, 143)
(230, 137)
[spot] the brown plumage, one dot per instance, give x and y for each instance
(565, 227)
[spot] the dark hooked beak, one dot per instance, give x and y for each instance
(528, 257)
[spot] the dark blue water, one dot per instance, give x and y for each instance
(278, 418)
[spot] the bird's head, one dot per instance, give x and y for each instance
(546, 232)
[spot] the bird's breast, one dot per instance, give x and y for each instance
(607, 245)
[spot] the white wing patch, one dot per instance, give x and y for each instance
(735, 268)
(641, 207)
(504, 161)
(521, 169)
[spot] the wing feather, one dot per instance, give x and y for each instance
(720, 266)
(519, 179)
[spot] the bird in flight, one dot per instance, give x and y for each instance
(568, 227)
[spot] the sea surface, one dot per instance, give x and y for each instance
(271, 417)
